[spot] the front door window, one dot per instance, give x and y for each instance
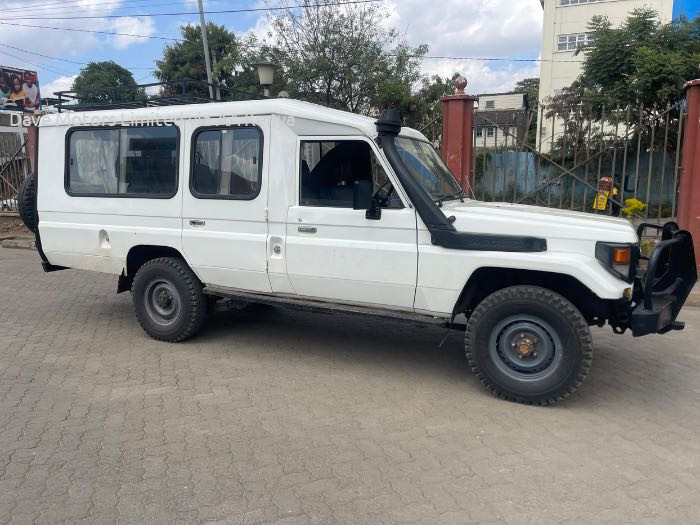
(329, 170)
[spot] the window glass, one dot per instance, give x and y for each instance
(428, 169)
(490, 104)
(575, 2)
(138, 161)
(574, 41)
(329, 170)
(226, 163)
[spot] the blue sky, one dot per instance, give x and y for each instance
(690, 8)
(484, 28)
(509, 29)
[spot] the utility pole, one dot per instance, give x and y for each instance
(205, 43)
(218, 90)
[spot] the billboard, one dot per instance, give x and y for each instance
(19, 90)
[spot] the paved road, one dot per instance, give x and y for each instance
(273, 416)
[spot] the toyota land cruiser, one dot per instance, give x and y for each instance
(289, 203)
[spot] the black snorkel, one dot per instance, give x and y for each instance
(442, 231)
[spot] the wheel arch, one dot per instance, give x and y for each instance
(486, 280)
(137, 256)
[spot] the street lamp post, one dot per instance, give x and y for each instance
(266, 75)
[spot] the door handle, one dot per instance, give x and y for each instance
(197, 222)
(307, 229)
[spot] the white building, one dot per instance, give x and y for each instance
(500, 120)
(565, 29)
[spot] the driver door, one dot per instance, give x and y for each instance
(333, 251)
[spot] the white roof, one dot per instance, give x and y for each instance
(276, 106)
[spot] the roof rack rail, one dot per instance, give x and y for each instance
(174, 93)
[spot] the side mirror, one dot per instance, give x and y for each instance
(363, 199)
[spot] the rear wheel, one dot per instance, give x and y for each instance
(168, 300)
(529, 344)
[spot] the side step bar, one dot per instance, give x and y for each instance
(310, 305)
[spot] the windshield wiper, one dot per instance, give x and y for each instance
(460, 195)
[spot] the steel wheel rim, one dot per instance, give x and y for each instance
(162, 301)
(525, 347)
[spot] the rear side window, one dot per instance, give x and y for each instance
(226, 163)
(123, 162)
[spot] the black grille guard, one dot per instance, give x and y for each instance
(670, 276)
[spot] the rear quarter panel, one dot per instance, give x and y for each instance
(96, 233)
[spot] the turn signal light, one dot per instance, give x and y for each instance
(619, 258)
(622, 255)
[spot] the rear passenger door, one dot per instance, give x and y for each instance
(224, 226)
(335, 252)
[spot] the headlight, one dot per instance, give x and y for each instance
(621, 259)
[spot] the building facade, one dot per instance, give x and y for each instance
(565, 29)
(500, 120)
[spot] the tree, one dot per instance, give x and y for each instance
(97, 80)
(630, 75)
(424, 105)
(643, 62)
(531, 86)
(343, 56)
(185, 60)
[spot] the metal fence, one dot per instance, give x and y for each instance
(14, 167)
(566, 154)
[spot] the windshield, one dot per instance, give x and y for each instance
(428, 169)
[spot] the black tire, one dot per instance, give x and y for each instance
(26, 202)
(528, 344)
(168, 300)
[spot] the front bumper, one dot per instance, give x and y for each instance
(670, 276)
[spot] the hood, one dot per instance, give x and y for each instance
(561, 228)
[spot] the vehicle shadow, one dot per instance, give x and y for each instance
(623, 372)
(340, 338)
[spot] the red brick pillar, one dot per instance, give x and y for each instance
(458, 134)
(689, 192)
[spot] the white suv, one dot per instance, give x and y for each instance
(284, 202)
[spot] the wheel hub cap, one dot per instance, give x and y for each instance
(162, 301)
(525, 347)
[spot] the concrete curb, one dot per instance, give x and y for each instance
(25, 243)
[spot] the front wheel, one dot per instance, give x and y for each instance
(168, 300)
(529, 344)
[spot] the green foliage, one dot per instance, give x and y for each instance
(531, 86)
(632, 82)
(340, 56)
(424, 106)
(343, 56)
(185, 60)
(642, 62)
(96, 81)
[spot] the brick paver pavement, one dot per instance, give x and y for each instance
(273, 416)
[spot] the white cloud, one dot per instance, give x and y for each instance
(133, 26)
(484, 28)
(62, 83)
(468, 28)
